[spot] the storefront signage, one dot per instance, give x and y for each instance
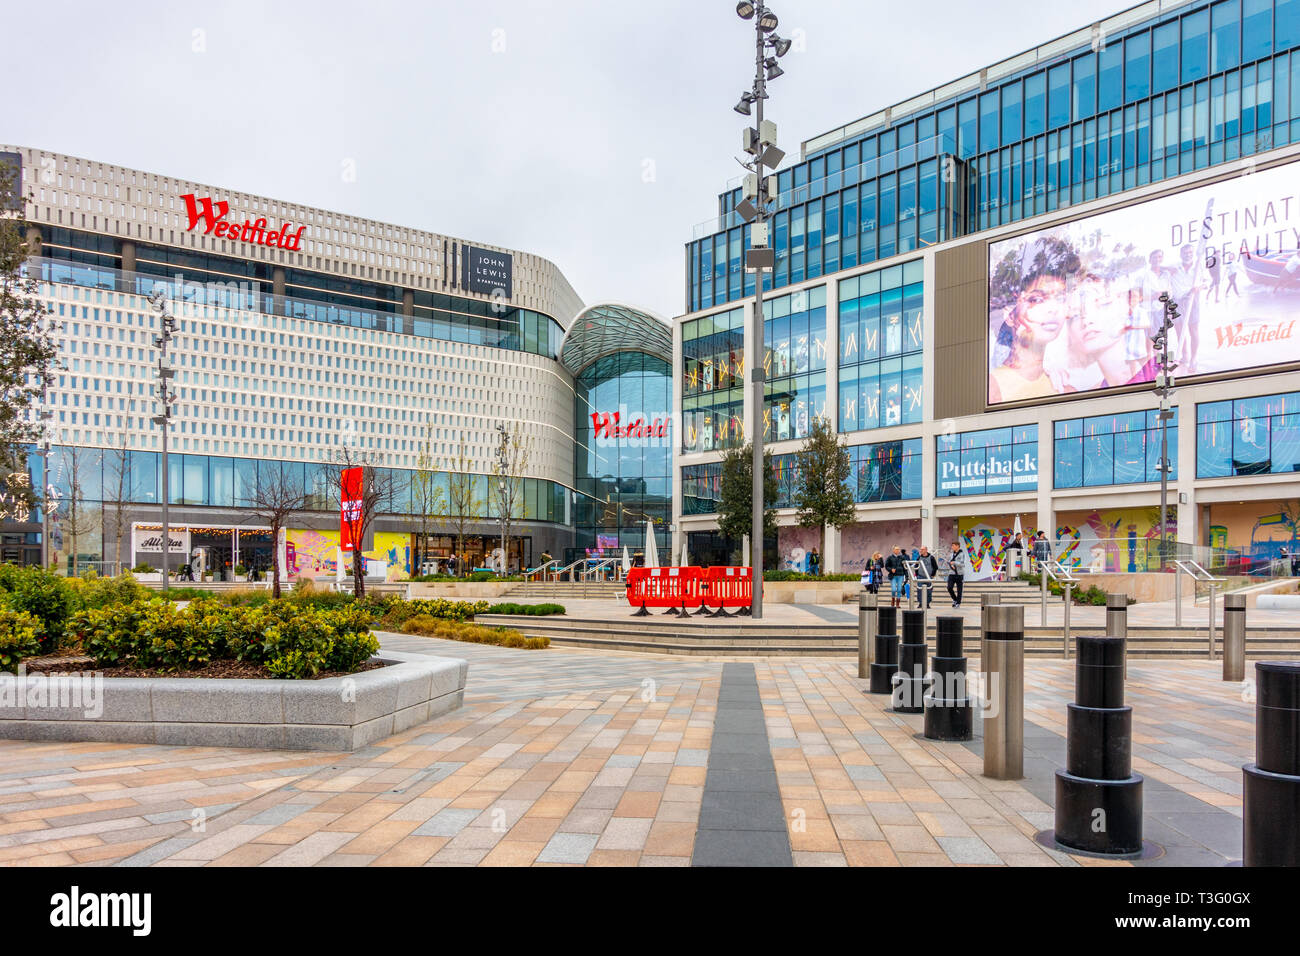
(213, 216)
(613, 425)
(486, 271)
(996, 472)
(149, 541)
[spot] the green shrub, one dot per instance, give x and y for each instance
(20, 637)
(290, 638)
(95, 591)
(350, 651)
(42, 594)
(539, 610)
(143, 568)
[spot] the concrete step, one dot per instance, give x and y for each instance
(687, 637)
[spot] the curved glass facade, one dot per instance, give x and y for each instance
(622, 454)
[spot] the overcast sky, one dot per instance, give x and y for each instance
(596, 133)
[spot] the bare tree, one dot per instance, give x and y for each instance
(428, 499)
(117, 489)
(276, 497)
(463, 502)
(360, 506)
(508, 474)
(75, 514)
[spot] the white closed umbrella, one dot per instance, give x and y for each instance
(686, 554)
(651, 552)
(1015, 528)
(627, 561)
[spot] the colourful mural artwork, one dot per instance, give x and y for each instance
(984, 538)
(1259, 529)
(315, 553)
(395, 549)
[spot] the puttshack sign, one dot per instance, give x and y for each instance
(212, 214)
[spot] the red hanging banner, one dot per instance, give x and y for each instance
(350, 512)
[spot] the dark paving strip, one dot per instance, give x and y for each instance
(742, 821)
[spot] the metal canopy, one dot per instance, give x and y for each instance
(610, 328)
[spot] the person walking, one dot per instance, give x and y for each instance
(815, 563)
(897, 576)
(873, 573)
(929, 568)
(1042, 549)
(956, 573)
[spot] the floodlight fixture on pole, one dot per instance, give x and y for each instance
(166, 399)
(1164, 388)
(754, 208)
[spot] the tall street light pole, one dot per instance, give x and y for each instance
(166, 398)
(1165, 388)
(760, 143)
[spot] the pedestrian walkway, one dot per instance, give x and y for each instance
(567, 757)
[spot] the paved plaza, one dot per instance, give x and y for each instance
(564, 757)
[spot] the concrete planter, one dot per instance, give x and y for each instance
(810, 592)
(338, 713)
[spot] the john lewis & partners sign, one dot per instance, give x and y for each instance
(486, 271)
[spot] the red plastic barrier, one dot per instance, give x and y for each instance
(730, 587)
(673, 588)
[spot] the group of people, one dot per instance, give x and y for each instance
(893, 569)
(1038, 550)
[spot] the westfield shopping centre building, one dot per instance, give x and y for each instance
(305, 332)
(967, 283)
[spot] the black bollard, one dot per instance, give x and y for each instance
(1271, 795)
(1098, 797)
(909, 681)
(885, 660)
(948, 711)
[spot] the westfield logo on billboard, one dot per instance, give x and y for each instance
(1236, 336)
(607, 425)
(213, 216)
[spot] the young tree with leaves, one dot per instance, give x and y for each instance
(27, 345)
(736, 495)
(822, 467)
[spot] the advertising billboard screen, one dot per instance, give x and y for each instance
(1073, 308)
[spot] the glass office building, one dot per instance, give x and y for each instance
(919, 228)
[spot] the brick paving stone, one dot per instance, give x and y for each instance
(561, 744)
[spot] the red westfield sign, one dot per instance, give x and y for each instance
(606, 425)
(213, 216)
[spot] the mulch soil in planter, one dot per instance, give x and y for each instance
(223, 669)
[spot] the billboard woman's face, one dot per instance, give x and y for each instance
(1102, 317)
(1040, 309)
